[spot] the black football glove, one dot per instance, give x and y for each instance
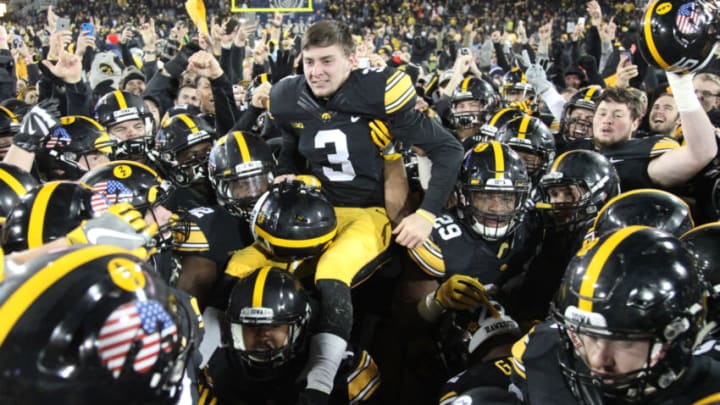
(37, 125)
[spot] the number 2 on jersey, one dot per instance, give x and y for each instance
(341, 156)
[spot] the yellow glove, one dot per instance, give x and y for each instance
(382, 138)
(121, 225)
(463, 293)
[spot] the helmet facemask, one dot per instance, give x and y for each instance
(266, 342)
(238, 194)
(565, 203)
(493, 211)
(471, 116)
(658, 372)
(574, 128)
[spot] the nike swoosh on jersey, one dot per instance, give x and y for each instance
(354, 118)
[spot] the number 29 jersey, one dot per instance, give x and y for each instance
(454, 248)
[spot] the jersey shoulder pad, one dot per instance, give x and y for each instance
(283, 95)
(399, 92)
(662, 145)
(363, 378)
(385, 90)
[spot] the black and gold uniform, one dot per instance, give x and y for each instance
(245, 370)
(334, 135)
(454, 248)
(538, 375)
(212, 234)
(494, 372)
(487, 235)
(226, 380)
(600, 301)
(631, 158)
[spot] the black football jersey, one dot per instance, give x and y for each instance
(494, 372)
(213, 233)
(454, 248)
(226, 380)
(335, 138)
(631, 158)
(538, 376)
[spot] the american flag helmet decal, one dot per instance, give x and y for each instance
(137, 332)
(689, 18)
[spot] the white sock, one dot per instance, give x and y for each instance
(326, 354)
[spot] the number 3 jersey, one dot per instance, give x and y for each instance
(454, 248)
(335, 137)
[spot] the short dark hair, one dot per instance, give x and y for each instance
(326, 33)
(623, 96)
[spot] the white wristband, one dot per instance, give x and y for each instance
(683, 92)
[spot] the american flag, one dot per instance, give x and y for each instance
(146, 322)
(109, 192)
(59, 135)
(688, 18)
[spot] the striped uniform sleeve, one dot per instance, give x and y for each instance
(518, 352)
(663, 145)
(399, 92)
(364, 380)
(205, 389)
(448, 398)
(429, 258)
(189, 238)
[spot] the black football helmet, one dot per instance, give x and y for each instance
(9, 125)
(529, 135)
(473, 88)
(14, 183)
(17, 107)
(241, 170)
(635, 284)
(516, 89)
(589, 176)
(46, 213)
(464, 337)
(76, 137)
(293, 221)
(91, 325)
(177, 135)
(575, 128)
(650, 207)
(703, 242)
(679, 35)
(132, 182)
(120, 106)
(495, 185)
(269, 297)
(497, 120)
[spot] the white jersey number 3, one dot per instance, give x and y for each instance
(341, 156)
